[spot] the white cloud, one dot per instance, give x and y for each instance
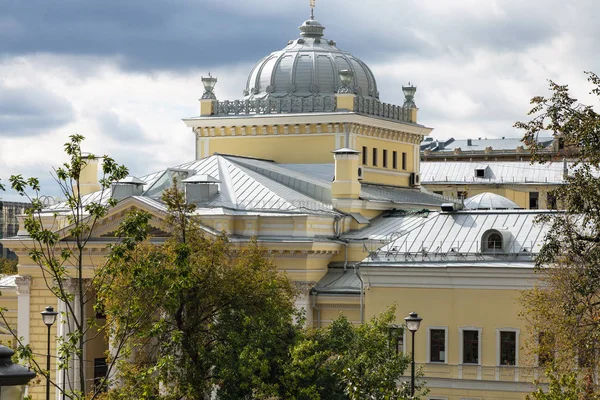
(476, 64)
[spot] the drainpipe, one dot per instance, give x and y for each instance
(314, 306)
(362, 291)
(346, 257)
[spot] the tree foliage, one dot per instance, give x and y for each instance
(344, 361)
(8, 266)
(61, 261)
(211, 317)
(207, 314)
(565, 307)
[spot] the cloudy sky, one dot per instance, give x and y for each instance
(124, 73)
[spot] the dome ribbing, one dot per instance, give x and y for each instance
(308, 66)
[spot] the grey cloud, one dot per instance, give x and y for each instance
(119, 127)
(30, 111)
(180, 34)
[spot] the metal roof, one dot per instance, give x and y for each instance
(489, 201)
(479, 144)
(307, 67)
(264, 186)
(457, 237)
(389, 225)
(494, 172)
(338, 281)
(8, 281)
(201, 178)
(132, 180)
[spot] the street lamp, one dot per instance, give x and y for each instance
(49, 317)
(13, 377)
(413, 321)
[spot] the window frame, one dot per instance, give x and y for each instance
(499, 346)
(435, 328)
(384, 158)
(461, 344)
(404, 160)
(534, 196)
(374, 156)
(394, 159)
(365, 155)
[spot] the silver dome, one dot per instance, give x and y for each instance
(490, 201)
(308, 66)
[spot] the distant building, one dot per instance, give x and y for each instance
(504, 149)
(529, 185)
(9, 225)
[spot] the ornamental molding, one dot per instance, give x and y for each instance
(302, 253)
(321, 306)
(304, 286)
(23, 284)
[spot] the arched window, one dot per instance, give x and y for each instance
(494, 241)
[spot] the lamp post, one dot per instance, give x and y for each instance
(49, 317)
(13, 377)
(413, 321)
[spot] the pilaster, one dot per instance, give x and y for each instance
(23, 307)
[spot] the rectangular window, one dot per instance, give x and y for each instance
(395, 159)
(374, 156)
(400, 342)
(385, 165)
(470, 347)
(440, 192)
(533, 200)
(364, 155)
(100, 371)
(404, 161)
(508, 348)
(437, 345)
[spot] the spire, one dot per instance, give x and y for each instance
(312, 9)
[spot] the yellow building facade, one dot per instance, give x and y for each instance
(529, 185)
(327, 177)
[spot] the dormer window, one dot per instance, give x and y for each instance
(494, 242)
(482, 171)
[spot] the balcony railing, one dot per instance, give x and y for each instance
(291, 105)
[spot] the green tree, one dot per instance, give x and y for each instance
(565, 307)
(344, 361)
(8, 267)
(61, 259)
(207, 315)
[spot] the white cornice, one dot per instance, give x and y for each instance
(312, 118)
(472, 277)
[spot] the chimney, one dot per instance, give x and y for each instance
(345, 184)
(469, 142)
(88, 177)
(127, 187)
(200, 188)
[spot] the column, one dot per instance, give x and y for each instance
(23, 307)
(304, 301)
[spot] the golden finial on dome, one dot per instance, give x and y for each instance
(312, 9)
